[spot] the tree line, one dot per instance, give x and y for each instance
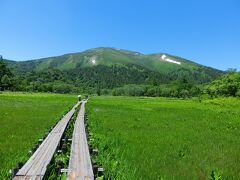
(120, 80)
(227, 85)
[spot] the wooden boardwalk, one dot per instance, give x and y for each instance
(36, 166)
(80, 166)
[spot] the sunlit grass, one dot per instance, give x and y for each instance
(153, 138)
(24, 118)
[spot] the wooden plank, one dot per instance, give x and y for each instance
(80, 166)
(36, 166)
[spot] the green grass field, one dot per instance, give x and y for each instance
(157, 138)
(24, 118)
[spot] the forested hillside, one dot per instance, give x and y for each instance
(101, 70)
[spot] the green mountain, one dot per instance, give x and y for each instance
(109, 57)
(111, 67)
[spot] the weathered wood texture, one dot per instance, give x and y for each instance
(36, 166)
(80, 166)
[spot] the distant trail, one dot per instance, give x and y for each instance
(80, 166)
(36, 166)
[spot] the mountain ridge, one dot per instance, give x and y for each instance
(107, 69)
(107, 56)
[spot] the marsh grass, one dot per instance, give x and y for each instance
(25, 118)
(159, 138)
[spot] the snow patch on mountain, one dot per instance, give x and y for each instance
(165, 58)
(93, 60)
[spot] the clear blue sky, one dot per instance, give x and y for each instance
(206, 31)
